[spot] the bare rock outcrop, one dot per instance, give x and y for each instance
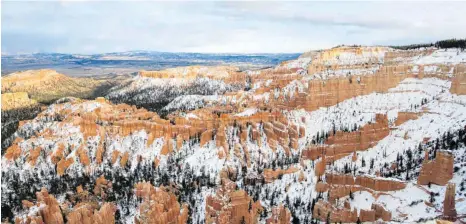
(344, 143)
(438, 171)
(48, 210)
(374, 183)
(280, 215)
(449, 210)
(86, 213)
(458, 84)
(270, 175)
(229, 205)
(159, 205)
(324, 210)
(192, 72)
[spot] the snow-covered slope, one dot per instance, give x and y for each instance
(155, 93)
(251, 151)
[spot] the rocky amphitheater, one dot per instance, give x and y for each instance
(343, 135)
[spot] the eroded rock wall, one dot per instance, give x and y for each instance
(449, 208)
(344, 143)
(159, 205)
(438, 171)
(229, 205)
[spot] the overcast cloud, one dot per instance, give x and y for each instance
(227, 27)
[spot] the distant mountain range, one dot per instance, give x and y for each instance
(132, 61)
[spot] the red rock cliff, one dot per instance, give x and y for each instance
(438, 171)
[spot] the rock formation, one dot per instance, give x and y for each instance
(48, 212)
(280, 215)
(48, 85)
(270, 175)
(159, 206)
(192, 72)
(341, 185)
(231, 206)
(344, 143)
(324, 210)
(449, 211)
(85, 213)
(458, 84)
(438, 171)
(17, 100)
(224, 153)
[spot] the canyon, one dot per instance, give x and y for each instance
(348, 134)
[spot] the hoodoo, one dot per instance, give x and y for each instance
(349, 134)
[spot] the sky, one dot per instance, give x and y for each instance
(88, 27)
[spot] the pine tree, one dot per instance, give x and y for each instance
(359, 221)
(243, 220)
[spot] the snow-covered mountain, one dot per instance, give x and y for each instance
(349, 134)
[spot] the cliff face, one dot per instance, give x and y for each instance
(192, 72)
(344, 143)
(376, 184)
(325, 211)
(449, 211)
(458, 84)
(347, 56)
(438, 171)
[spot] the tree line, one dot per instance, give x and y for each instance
(444, 44)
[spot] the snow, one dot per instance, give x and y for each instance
(247, 112)
(362, 200)
(352, 58)
(362, 109)
(205, 157)
(443, 56)
(330, 73)
(431, 69)
(439, 112)
(191, 115)
(144, 90)
(301, 63)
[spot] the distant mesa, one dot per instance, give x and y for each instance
(46, 86)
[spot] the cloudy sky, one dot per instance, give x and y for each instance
(234, 27)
